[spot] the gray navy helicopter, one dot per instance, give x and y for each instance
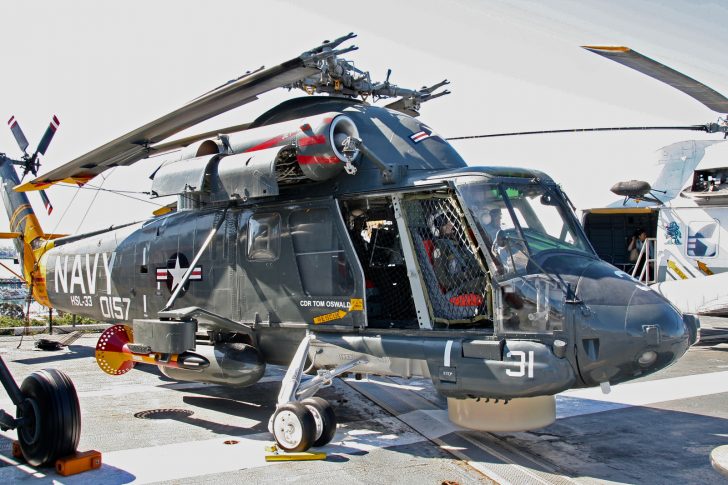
(333, 236)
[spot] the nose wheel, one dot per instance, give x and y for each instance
(294, 427)
(298, 426)
(324, 417)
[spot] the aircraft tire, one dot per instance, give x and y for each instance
(294, 428)
(52, 426)
(325, 418)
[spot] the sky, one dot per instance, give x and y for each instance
(106, 68)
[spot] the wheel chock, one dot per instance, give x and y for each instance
(274, 454)
(81, 461)
(17, 452)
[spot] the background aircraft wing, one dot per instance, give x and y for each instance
(633, 59)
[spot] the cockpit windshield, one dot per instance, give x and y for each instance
(520, 220)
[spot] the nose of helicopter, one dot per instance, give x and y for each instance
(624, 329)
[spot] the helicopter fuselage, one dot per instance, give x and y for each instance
(367, 265)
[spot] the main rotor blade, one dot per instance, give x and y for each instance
(48, 135)
(586, 130)
(18, 134)
(633, 59)
(134, 146)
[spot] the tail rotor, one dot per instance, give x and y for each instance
(31, 163)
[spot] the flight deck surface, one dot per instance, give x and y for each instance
(659, 429)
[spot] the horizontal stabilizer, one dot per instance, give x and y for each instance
(54, 236)
(13, 235)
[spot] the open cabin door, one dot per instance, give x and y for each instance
(375, 233)
(417, 277)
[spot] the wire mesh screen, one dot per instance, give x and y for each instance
(455, 281)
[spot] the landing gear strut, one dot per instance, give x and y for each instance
(302, 420)
(48, 416)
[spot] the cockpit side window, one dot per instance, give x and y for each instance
(532, 218)
(497, 226)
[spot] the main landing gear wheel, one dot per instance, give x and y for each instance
(325, 418)
(294, 427)
(51, 417)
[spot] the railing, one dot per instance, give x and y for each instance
(648, 270)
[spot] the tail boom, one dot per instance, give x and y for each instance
(29, 238)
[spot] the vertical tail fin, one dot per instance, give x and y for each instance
(30, 242)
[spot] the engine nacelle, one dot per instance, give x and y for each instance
(318, 142)
(201, 148)
(253, 163)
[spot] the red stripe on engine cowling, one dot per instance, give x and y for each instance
(316, 159)
(312, 140)
(270, 143)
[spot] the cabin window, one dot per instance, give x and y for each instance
(264, 237)
(702, 240)
(320, 254)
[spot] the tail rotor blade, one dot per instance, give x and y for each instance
(46, 201)
(18, 134)
(48, 135)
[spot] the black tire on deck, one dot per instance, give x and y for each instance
(327, 417)
(52, 417)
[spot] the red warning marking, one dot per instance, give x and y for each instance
(311, 159)
(312, 140)
(270, 143)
